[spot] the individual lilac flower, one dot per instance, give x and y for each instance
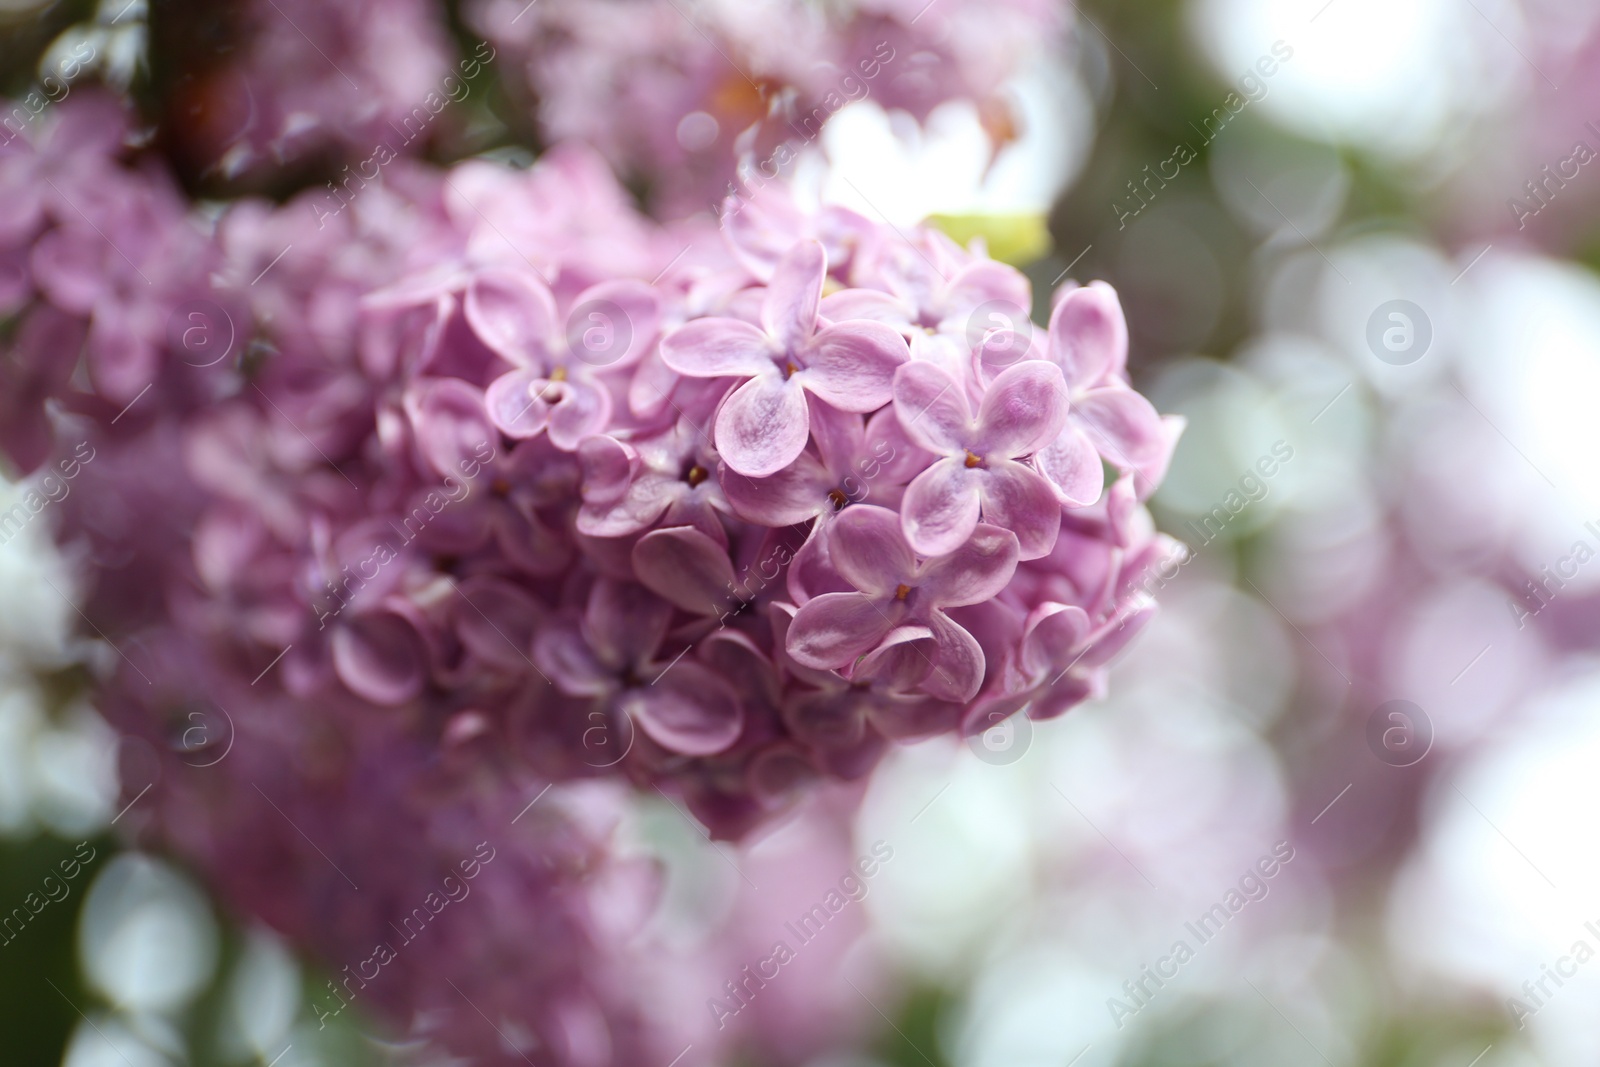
(854, 460)
(610, 657)
(763, 424)
(979, 473)
(895, 623)
(628, 486)
(1109, 420)
(557, 383)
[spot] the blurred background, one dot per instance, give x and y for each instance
(1356, 242)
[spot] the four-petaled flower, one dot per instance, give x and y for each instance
(556, 383)
(1023, 410)
(894, 626)
(764, 423)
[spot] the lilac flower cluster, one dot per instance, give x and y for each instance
(489, 483)
(495, 454)
(679, 93)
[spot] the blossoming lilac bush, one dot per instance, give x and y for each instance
(489, 484)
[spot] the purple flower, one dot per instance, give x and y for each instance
(854, 461)
(895, 624)
(1089, 342)
(610, 657)
(557, 383)
(628, 486)
(1022, 411)
(763, 424)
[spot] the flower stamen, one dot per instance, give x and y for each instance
(902, 591)
(973, 460)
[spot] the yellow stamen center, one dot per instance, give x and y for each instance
(839, 499)
(973, 460)
(902, 592)
(559, 374)
(696, 475)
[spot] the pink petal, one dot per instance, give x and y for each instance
(623, 623)
(985, 281)
(975, 572)
(379, 657)
(1065, 694)
(792, 495)
(528, 542)
(645, 501)
(1023, 410)
(889, 456)
(1072, 466)
(852, 365)
(840, 435)
(651, 386)
(562, 654)
(688, 568)
(1052, 636)
(496, 620)
(868, 548)
(999, 349)
(1018, 499)
(1116, 634)
(1124, 426)
(451, 424)
(940, 508)
(718, 348)
(580, 409)
(1088, 335)
(850, 304)
(687, 710)
(1153, 471)
(901, 662)
(512, 405)
(932, 408)
(789, 311)
(513, 313)
(958, 663)
(834, 629)
(608, 467)
(763, 425)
